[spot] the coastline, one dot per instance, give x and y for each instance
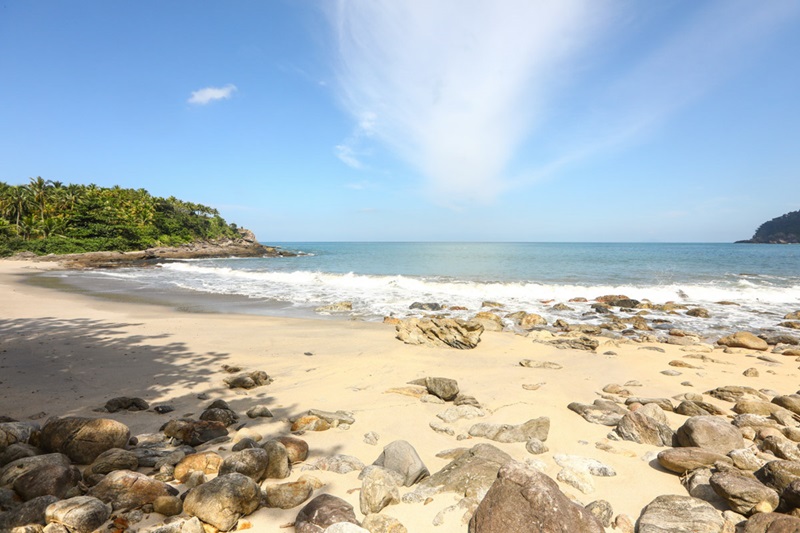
(65, 353)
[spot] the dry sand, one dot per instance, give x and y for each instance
(64, 353)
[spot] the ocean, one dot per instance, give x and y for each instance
(758, 284)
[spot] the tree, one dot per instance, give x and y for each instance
(39, 189)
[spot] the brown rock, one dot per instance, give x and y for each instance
(287, 495)
(296, 448)
(125, 490)
(205, 462)
(710, 432)
(223, 500)
(47, 479)
(772, 523)
(744, 495)
(194, 432)
(440, 332)
(310, 423)
(682, 460)
(83, 439)
(323, 511)
(744, 339)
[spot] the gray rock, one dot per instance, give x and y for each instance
(259, 411)
(248, 380)
(682, 460)
(592, 466)
(223, 500)
(440, 332)
(779, 474)
(601, 510)
(663, 403)
(460, 412)
(698, 485)
(125, 403)
(443, 388)
(113, 459)
(581, 343)
(734, 393)
(334, 418)
(536, 447)
(340, 464)
(710, 432)
(603, 412)
(697, 408)
(16, 433)
(287, 495)
(15, 469)
(746, 459)
(579, 479)
(680, 514)
(279, 464)
(744, 495)
(83, 439)
(640, 428)
(780, 447)
(322, 512)
(18, 451)
(537, 428)
(47, 479)
(30, 512)
(371, 438)
(772, 523)
(81, 514)
(523, 499)
(125, 490)
(379, 488)
(401, 457)
(251, 462)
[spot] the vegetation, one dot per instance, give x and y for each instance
(784, 229)
(49, 217)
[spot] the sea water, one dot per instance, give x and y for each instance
(743, 286)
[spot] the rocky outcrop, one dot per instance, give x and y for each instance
(440, 332)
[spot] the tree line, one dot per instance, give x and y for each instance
(47, 216)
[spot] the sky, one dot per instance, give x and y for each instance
(417, 120)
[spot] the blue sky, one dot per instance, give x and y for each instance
(451, 120)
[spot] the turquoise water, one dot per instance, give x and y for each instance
(386, 278)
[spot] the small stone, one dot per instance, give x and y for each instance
(371, 438)
(536, 447)
(259, 411)
(750, 373)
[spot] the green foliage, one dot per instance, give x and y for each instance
(785, 228)
(47, 217)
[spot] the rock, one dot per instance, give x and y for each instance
(17, 451)
(710, 432)
(772, 523)
(529, 363)
(125, 403)
(168, 505)
(47, 479)
(111, 460)
(287, 495)
(442, 428)
(83, 439)
(523, 499)
(323, 511)
(790, 324)
(744, 495)
(780, 447)
(443, 388)
(664, 403)
(247, 433)
(15, 469)
(371, 438)
(401, 457)
(746, 459)
(336, 307)
(440, 332)
(744, 339)
(601, 510)
(344, 527)
(194, 432)
(460, 412)
(592, 466)
(579, 479)
(698, 485)
(379, 488)
(527, 320)
(204, 462)
(642, 429)
(466, 400)
(124, 490)
(489, 321)
(340, 464)
(297, 449)
(381, 523)
(537, 428)
(603, 412)
(697, 408)
(224, 416)
(248, 380)
(680, 514)
(310, 423)
(790, 402)
(16, 433)
(259, 411)
(778, 474)
(223, 500)
(30, 512)
(682, 460)
(252, 462)
(734, 393)
(698, 312)
(81, 514)
(581, 343)
(535, 447)
(429, 306)
(279, 465)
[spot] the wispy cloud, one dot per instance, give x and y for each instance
(453, 87)
(347, 155)
(207, 95)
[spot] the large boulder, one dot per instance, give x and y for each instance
(126, 490)
(223, 500)
(711, 433)
(287, 495)
(279, 462)
(113, 459)
(205, 462)
(252, 462)
(680, 514)
(682, 460)
(379, 488)
(323, 511)
(524, 499)
(83, 439)
(744, 495)
(744, 339)
(779, 474)
(638, 427)
(47, 479)
(401, 457)
(81, 514)
(440, 332)
(30, 512)
(18, 468)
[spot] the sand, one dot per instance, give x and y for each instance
(65, 353)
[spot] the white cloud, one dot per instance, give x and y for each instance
(453, 87)
(347, 155)
(207, 95)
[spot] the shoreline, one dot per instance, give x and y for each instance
(65, 353)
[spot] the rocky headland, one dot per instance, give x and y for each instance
(784, 229)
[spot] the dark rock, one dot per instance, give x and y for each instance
(30, 512)
(83, 439)
(113, 459)
(17, 451)
(16, 433)
(444, 388)
(680, 514)
(601, 510)
(638, 427)
(251, 462)
(81, 514)
(163, 409)
(47, 479)
(323, 511)
(125, 403)
(524, 499)
(13, 470)
(430, 306)
(223, 500)
(696, 408)
(710, 432)
(126, 490)
(259, 411)
(734, 393)
(581, 343)
(194, 432)
(225, 416)
(401, 457)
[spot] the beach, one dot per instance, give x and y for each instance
(66, 354)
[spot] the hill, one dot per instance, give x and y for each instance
(49, 217)
(782, 230)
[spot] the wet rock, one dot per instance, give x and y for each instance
(124, 490)
(710, 432)
(223, 500)
(30, 512)
(287, 495)
(682, 460)
(401, 457)
(125, 403)
(47, 479)
(680, 514)
(537, 428)
(248, 380)
(744, 339)
(204, 462)
(336, 307)
(111, 460)
(523, 499)
(379, 488)
(81, 514)
(83, 439)
(279, 464)
(426, 306)
(252, 462)
(440, 332)
(637, 427)
(323, 511)
(194, 432)
(744, 495)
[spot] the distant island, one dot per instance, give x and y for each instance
(48, 217)
(782, 230)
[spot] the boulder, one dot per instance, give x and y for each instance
(16, 433)
(537, 428)
(81, 514)
(680, 514)
(744, 339)
(524, 499)
(401, 457)
(297, 449)
(603, 412)
(744, 495)
(379, 488)
(31, 512)
(216, 414)
(168, 505)
(125, 403)
(223, 500)
(779, 474)
(205, 462)
(194, 432)
(440, 332)
(790, 402)
(772, 523)
(252, 462)
(682, 460)
(287, 495)
(711, 433)
(340, 464)
(323, 511)
(111, 460)
(638, 427)
(47, 479)
(17, 451)
(15, 469)
(83, 439)
(279, 464)
(126, 490)
(734, 393)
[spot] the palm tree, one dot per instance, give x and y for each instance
(39, 188)
(20, 200)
